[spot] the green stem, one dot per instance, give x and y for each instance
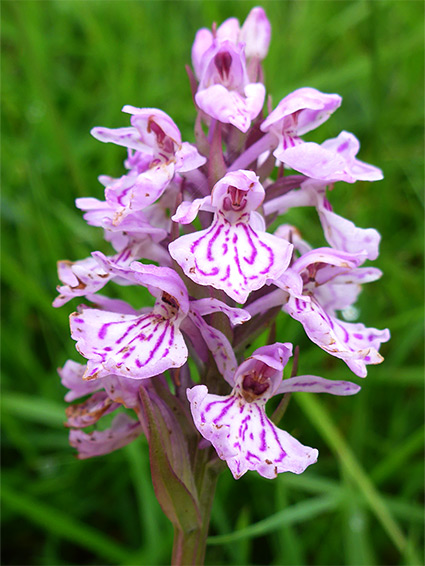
(189, 547)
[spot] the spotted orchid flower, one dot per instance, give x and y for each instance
(333, 160)
(235, 253)
(254, 34)
(318, 285)
(122, 431)
(134, 238)
(340, 233)
(298, 113)
(225, 91)
(106, 395)
(139, 346)
(87, 276)
(237, 424)
(156, 154)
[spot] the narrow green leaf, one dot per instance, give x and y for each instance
(63, 526)
(303, 511)
(176, 500)
(33, 409)
(323, 422)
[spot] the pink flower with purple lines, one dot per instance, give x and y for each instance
(235, 253)
(237, 424)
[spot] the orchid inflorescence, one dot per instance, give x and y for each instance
(214, 254)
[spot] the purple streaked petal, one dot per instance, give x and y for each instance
(72, 378)
(90, 411)
(242, 435)
(135, 347)
(123, 431)
(234, 258)
(210, 305)
(353, 343)
(315, 384)
(139, 191)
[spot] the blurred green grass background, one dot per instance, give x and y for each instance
(70, 65)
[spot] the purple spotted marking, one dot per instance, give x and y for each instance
(250, 456)
(273, 430)
(158, 343)
(79, 320)
(219, 402)
(244, 427)
(227, 274)
(210, 257)
(171, 339)
(212, 273)
(358, 336)
(263, 445)
(199, 240)
(223, 412)
(254, 252)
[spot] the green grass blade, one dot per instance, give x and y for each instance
(323, 422)
(33, 409)
(303, 511)
(63, 526)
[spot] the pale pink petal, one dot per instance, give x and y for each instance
(210, 305)
(136, 347)
(315, 384)
(90, 411)
(243, 435)
(311, 106)
(187, 211)
(218, 345)
(127, 137)
(228, 31)
(72, 378)
(230, 107)
(234, 258)
(203, 41)
(123, 431)
(255, 33)
(188, 158)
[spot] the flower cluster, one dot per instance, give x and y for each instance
(191, 224)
